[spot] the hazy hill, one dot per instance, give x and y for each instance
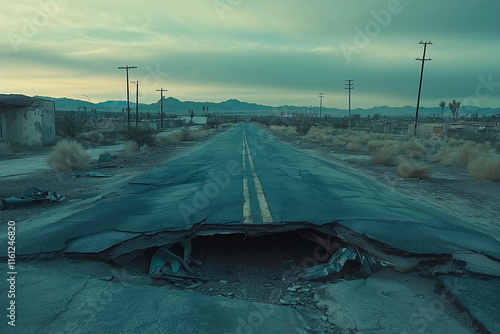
(174, 106)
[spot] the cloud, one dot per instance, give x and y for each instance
(281, 52)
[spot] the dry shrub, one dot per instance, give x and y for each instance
(193, 135)
(486, 167)
(288, 130)
(131, 147)
(95, 137)
(385, 154)
(408, 170)
(416, 149)
(354, 144)
(374, 145)
(453, 142)
(68, 155)
(172, 138)
(446, 156)
(470, 151)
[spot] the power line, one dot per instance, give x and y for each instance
(394, 59)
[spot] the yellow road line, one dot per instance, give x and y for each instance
(244, 163)
(261, 197)
(247, 212)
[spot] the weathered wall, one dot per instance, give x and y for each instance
(48, 123)
(31, 125)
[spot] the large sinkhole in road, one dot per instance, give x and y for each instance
(260, 268)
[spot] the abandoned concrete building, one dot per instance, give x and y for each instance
(27, 120)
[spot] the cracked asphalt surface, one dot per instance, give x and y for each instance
(244, 181)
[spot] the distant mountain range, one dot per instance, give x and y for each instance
(173, 106)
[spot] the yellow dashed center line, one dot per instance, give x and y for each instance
(261, 197)
(247, 211)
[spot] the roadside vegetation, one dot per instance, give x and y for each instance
(68, 155)
(412, 157)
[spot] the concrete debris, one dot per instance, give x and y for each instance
(179, 270)
(333, 266)
(31, 196)
(369, 264)
(104, 158)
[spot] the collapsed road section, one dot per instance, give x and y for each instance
(273, 263)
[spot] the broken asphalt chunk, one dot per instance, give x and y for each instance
(31, 196)
(333, 266)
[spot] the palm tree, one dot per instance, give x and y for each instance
(454, 106)
(442, 104)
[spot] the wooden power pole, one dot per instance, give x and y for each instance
(321, 95)
(137, 104)
(128, 100)
(349, 86)
(161, 104)
(420, 85)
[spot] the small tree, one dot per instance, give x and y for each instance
(454, 107)
(191, 115)
(71, 124)
(442, 104)
(303, 121)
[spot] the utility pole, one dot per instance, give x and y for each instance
(420, 85)
(128, 101)
(349, 86)
(161, 110)
(321, 95)
(136, 103)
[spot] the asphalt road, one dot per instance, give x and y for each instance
(245, 177)
(245, 180)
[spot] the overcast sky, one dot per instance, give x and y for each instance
(262, 51)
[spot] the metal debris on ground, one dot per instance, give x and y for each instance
(333, 266)
(31, 196)
(369, 264)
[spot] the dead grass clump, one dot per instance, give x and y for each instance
(193, 135)
(454, 142)
(470, 151)
(131, 147)
(386, 154)
(416, 149)
(486, 167)
(172, 138)
(354, 144)
(374, 145)
(288, 130)
(95, 137)
(446, 156)
(68, 155)
(408, 170)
